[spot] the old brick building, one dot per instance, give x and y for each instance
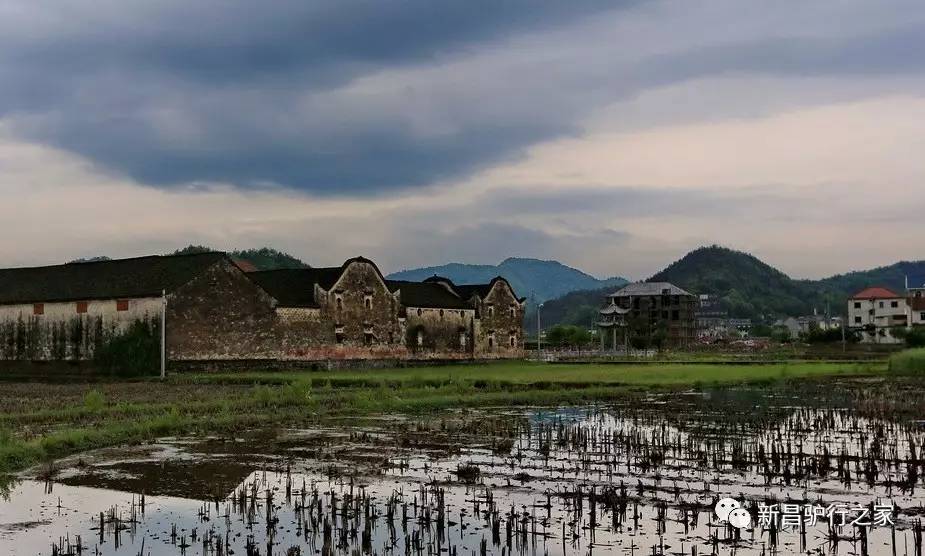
(215, 311)
(352, 312)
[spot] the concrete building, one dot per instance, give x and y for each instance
(874, 312)
(649, 313)
(216, 312)
(915, 291)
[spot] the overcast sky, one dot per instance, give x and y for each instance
(612, 136)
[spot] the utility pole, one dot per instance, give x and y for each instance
(163, 334)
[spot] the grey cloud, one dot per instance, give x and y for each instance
(178, 92)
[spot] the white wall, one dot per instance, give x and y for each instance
(882, 313)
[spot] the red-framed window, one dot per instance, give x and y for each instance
(38, 308)
(82, 306)
(122, 305)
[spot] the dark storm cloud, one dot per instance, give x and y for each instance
(248, 93)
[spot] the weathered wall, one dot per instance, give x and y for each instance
(443, 333)
(63, 333)
(499, 330)
(220, 314)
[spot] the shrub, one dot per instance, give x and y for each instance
(136, 352)
(911, 361)
(94, 400)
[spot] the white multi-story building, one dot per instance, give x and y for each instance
(874, 312)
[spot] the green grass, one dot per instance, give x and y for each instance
(911, 361)
(540, 374)
(210, 403)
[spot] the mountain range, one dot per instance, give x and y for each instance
(535, 279)
(744, 286)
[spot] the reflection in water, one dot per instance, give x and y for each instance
(636, 478)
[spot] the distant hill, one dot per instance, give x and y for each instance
(529, 277)
(745, 286)
(264, 258)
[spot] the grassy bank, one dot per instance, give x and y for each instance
(42, 422)
(911, 361)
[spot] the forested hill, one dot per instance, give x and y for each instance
(529, 277)
(746, 287)
(263, 258)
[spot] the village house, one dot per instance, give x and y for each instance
(214, 311)
(874, 312)
(649, 313)
(915, 290)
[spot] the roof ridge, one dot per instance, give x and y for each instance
(111, 261)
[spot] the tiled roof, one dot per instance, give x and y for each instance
(649, 288)
(112, 279)
(426, 294)
(295, 287)
(876, 292)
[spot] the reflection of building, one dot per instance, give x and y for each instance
(873, 312)
(650, 312)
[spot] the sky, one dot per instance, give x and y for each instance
(612, 136)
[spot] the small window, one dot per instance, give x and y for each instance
(513, 340)
(513, 312)
(122, 305)
(857, 320)
(441, 313)
(420, 312)
(491, 341)
(339, 302)
(368, 301)
(857, 304)
(368, 338)
(894, 304)
(82, 306)
(339, 338)
(881, 305)
(38, 309)
(922, 316)
(462, 340)
(491, 311)
(420, 338)
(676, 315)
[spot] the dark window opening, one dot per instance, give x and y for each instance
(513, 341)
(676, 315)
(894, 304)
(122, 305)
(38, 309)
(368, 338)
(82, 306)
(857, 304)
(340, 303)
(369, 303)
(339, 338)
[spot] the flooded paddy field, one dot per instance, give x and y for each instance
(641, 475)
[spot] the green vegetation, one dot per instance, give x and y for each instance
(41, 422)
(914, 338)
(264, 258)
(136, 352)
(568, 336)
(746, 287)
(911, 361)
